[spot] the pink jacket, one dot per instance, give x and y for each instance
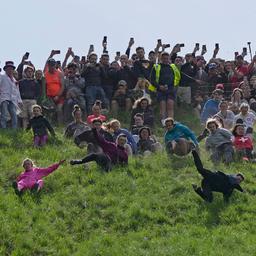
(30, 177)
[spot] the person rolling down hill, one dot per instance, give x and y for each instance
(113, 153)
(215, 181)
(32, 176)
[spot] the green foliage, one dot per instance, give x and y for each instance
(147, 208)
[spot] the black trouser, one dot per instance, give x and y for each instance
(100, 158)
(205, 190)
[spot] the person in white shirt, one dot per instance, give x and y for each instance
(226, 115)
(246, 117)
(10, 99)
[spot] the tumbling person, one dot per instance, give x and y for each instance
(32, 176)
(215, 181)
(40, 125)
(113, 153)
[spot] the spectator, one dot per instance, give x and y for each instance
(147, 144)
(29, 92)
(74, 87)
(121, 99)
(138, 123)
(141, 89)
(10, 99)
(77, 126)
(219, 143)
(115, 126)
(54, 86)
(211, 106)
(247, 117)
(165, 78)
(143, 106)
(243, 144)
(96, 113)
(226, 115)
(237, 98)
(93, 73)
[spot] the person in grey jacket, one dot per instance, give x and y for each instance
(219, 143)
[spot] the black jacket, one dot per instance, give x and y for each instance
(40, 125)
(29, 89)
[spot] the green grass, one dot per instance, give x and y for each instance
(148, 208)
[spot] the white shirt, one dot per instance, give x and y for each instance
(248, 119)
(9, 90)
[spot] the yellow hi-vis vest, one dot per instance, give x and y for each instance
(175, 70)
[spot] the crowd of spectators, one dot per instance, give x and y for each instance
(82, 89)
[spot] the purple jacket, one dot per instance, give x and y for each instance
(117, 154)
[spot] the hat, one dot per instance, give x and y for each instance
(9, 64)
(212, 65)
(51, 62)
(122, 82)
(219, 86)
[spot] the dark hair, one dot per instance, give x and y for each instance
(75, 109)
(165, 53)
(235, 127)
(151, 52)
(104, 55)
(139, 115)
(96, 120)
(144, 128)
(139, 48)
(72, 65)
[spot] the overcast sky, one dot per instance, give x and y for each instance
(38, 26)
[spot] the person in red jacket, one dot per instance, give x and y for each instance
(113, 153)
(243, 144)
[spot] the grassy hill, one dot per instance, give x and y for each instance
(148, 208)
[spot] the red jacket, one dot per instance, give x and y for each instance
(243, 142)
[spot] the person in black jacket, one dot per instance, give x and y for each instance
(215, 181)
(40, 125)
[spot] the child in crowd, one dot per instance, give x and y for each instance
(96, 113)
(243, 144)
(32, 176)
(40, 125)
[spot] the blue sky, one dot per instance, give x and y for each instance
(39, 26)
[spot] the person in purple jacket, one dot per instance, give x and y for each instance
(113, 153)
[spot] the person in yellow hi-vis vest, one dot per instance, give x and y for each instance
(165, 78)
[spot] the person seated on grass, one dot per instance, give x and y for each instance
(77, 126)
(139, 123)
(39, 125)
(179, 139)
(121, 99)
(32, 176)
(147, 144)
(96, 113)
(215, 182)
(115, 126)
(219, 143)
(141, 89)
(248, 118)
(243, 144)
(143, 106)
(113, 153)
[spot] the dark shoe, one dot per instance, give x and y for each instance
(194, 187)
(15, 187)
(73, 162)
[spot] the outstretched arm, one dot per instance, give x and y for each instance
(42, 172)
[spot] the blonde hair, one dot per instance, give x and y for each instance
(36, 106)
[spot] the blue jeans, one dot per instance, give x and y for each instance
(95, 92)
(7, 107)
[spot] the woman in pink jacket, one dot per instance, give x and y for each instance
(32, 176)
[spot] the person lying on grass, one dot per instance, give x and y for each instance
(215, 181)
(113, 153)
(32, 176)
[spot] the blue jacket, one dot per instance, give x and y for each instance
(130, 139)
(211, 108)
(180, 131)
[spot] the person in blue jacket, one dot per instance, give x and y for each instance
(211, 107)
(115, 126)
(179, 139)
